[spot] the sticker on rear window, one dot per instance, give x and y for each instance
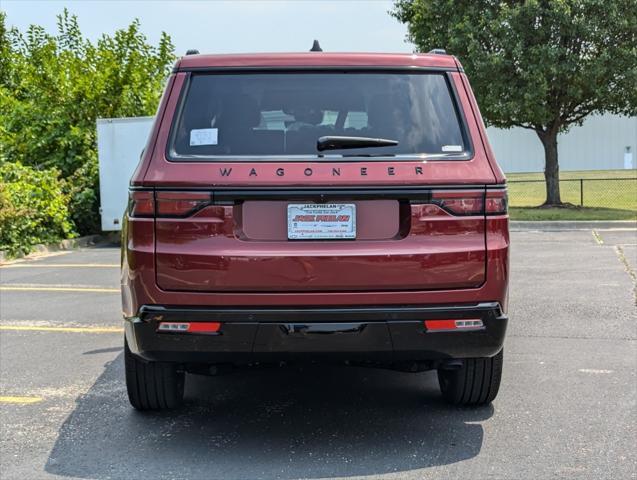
(448, 148)
(203, 136)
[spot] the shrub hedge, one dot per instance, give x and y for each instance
(33, 208)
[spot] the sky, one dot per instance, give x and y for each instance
(230, 26)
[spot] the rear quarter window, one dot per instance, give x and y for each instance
(283, 114)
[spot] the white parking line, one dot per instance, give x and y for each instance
(28, 328)
(57, 288)
(61, 265)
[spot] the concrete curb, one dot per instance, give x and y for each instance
(68, 244)
(556, 226)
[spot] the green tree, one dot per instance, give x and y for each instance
(54, 87)
(543, 65)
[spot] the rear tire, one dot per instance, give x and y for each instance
(476, 383)
(152, 385)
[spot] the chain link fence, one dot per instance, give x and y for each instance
(617, 193)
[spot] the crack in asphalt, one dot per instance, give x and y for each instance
(629, 270)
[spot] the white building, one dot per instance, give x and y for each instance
(604, 142)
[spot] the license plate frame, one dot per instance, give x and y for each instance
(319, 221)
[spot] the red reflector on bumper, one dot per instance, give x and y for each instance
(440, 324)
(460, 324)
(189, 327)
(204, 327)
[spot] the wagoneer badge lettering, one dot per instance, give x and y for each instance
(328, 171)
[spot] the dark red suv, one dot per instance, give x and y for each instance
(320, 207)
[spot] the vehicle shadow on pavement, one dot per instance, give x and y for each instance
(269, 423)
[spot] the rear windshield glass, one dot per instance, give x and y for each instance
(284, 114)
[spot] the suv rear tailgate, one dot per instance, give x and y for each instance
(238, 242)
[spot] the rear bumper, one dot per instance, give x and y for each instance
(374, 334)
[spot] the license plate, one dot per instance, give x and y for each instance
(321, 221)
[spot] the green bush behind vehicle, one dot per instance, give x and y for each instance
(33, 208)
(52, 90)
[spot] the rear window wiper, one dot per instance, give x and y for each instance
(336, 143)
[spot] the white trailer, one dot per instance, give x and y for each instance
(120, 142)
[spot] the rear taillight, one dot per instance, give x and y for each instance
(466, 202)
(141, 204)
(180, 204)
(145, 203)
(471, 202)
(496, 202)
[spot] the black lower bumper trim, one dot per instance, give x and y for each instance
(376, 334)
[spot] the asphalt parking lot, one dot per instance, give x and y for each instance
(566, 409)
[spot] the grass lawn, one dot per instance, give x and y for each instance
(577, 213)
(607, 195)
